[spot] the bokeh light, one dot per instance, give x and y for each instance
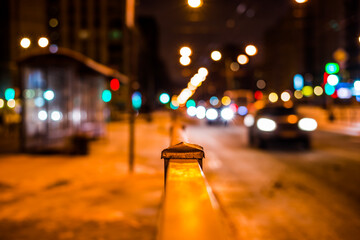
(39, 102)
(185, 51)
(56, 116)
(227, 114)
(195, 3)
(298, 82)
(242, 110)
(226, 100)
(136, 100)
(242, 59)
(234, 66)
(333, 80)
(214, 101)
(43, 42)
(11, 103)
(307, 91)
(298, 94)
(2, 103)
(285, 96)
(357, 85)
(216, 55)
(318, 90)
(106, 96)
(42, 115)
(191, 111)
(261, 84)
(185, 61)
(249, 120)
(53, 48)
(53, 22)
(212, 114)
(329, 89)
(164, 98)
(273, 97)
(29, 93)
(9, 94)
(25, 42)
(292, 119)
(190, 103)
(332, 68)
(344, 93)
(200, 112)
(251, 50)
(203, 71)
(49, 95)
(114, 84)
(258, 95)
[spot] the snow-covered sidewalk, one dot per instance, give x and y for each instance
(87, 197)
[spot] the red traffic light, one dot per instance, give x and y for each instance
(114, 84)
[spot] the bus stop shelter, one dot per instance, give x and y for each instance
(62, 100)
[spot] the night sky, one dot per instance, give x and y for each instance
(208, 28)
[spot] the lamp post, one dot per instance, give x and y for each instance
(130, 71)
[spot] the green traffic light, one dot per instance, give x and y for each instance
(106, 95)
(332, 68)
(9, 94)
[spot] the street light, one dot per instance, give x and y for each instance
(43, 42)
(216, 55)
(25, 43)
(251, 50)
(185, 51)
(195, 3)
(301, 1)
(242, 59)
(184, 60)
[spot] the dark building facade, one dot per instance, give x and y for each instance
(307, 38)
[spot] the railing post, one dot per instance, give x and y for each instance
(182, 151)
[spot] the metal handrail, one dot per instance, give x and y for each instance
(189, 209)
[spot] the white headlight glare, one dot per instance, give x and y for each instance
(227, 114)
(307, 124)
(265, 124)
(191, 111)
(249, 120)
(200, 112)
(212, 114)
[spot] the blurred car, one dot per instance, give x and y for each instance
(219, 115)
(279, 123)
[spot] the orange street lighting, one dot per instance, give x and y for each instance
(203, 71)
(185, 61)
(301, 1)
(25, 43)
(195, 3)
(251, 50)
(43, 42)
(242, 59)
(185, 51)
(216, 55)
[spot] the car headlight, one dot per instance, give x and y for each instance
(307, 124)
(212, 114)
(265, 124)
(227, 114)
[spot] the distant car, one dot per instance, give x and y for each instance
(279, 123)
(219, 115)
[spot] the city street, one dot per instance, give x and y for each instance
(277, 193)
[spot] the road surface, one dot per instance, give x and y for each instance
(284, 192)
